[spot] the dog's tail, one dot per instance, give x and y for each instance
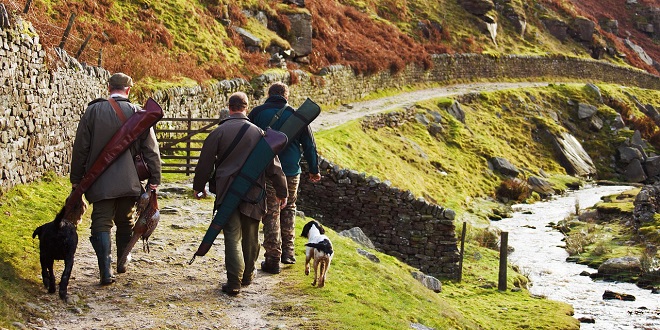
(37, 232)
(57, 221)
(325, 246)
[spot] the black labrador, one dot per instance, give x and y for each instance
(58, 240)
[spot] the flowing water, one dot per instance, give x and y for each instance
(539, 254)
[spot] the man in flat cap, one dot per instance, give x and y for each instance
(114, 193)
(231, 143)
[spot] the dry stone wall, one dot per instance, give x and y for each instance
(39, 107)
(415, 231)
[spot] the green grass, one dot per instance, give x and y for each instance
(361, 294)
(478, 298)
(23, 209)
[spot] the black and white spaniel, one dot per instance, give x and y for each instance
(319, 248)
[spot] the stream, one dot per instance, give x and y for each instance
(539, 255)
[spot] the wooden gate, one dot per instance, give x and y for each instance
(179, 146)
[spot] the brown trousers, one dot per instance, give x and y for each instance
(279, 226)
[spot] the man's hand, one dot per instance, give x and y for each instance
(315, 177)
(153, 187)
(282, 202)
(199, 194)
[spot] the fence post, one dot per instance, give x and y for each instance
(4, 17)
(460, 262)
(188, 143)
(100, 60)
(84, 44)
(504, 244)
(67, 30)
(27, 7)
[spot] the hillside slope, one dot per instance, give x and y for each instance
(449, 165)
(183, 40)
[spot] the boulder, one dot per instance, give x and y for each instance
(594, 90)
(622, 267)
(582, 29)
(477, 7)
(586, 110)
(504, 166)
(595, 123)
(457, 112)
(637, 140)
(249, 39)
(299, 3)
(610, 25)
(435, 129)
(611, 295)
(420, 118)
(652, 166)
(300, 33)
(634, 172)
(357, 235)
(573, 157)
(618, 122)
(540, 186)
(430, 282)
(639, 51)
(372, 257)
(556, 27)
(627, 154)
(513, 15)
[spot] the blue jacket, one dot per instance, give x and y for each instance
(302, 145)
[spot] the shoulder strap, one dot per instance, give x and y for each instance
(277, 115)
(117, 109)
(233, 144)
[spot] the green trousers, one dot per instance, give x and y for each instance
(241, 247)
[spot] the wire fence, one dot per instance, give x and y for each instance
(50, 33)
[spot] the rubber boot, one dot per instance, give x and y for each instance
(101, 244)
(122, 241)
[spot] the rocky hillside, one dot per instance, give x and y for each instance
(181, 40)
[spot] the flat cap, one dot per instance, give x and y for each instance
(120, 80)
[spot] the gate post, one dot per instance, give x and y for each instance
(188, 171)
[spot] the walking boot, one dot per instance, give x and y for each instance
(289, 260)
(271, 265)
(101, 244)
(122, 242)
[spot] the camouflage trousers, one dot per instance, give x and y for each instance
(279, 225)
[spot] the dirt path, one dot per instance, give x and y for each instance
(160, 290)
(357, 110)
